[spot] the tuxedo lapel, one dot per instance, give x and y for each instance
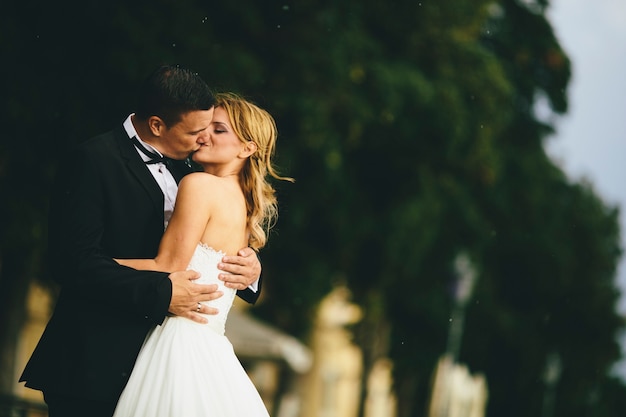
(139, 170)
(179, 169)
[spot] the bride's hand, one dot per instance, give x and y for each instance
(241, 270)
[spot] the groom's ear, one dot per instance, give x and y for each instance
(248, 149)
(156, 125)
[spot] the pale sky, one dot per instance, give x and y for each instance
(590, 141)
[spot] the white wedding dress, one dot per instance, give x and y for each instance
(187, 369)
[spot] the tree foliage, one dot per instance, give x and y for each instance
(411, 130)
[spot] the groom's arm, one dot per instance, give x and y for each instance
(77, 259)
(91, 205)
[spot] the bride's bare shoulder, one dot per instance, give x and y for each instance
(197, 182)
(198, 179)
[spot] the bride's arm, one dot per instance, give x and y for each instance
(142, 264)
(185, 229)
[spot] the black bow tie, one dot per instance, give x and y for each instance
(155, 158)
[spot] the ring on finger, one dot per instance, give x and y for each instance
(199, 307)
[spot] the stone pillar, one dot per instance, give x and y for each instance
(380, 401)
(457, 393)
(334, 382)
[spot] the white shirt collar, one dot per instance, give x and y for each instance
(131, 131)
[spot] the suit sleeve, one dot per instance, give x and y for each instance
(77, 218)
(250, 296)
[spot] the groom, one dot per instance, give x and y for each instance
(112, 199)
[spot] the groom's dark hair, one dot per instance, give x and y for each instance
(170, 91)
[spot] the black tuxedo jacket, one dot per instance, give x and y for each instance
(105, 204)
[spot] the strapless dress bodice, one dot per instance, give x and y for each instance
(205, 260)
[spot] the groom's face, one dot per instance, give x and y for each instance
(184, 137)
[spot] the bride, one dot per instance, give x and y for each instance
(186, 368)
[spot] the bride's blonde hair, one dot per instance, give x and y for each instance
(253, 124)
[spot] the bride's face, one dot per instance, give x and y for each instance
(221, 145)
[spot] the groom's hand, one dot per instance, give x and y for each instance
(187, 295)
(241, 270)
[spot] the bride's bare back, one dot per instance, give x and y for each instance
(209, 210)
